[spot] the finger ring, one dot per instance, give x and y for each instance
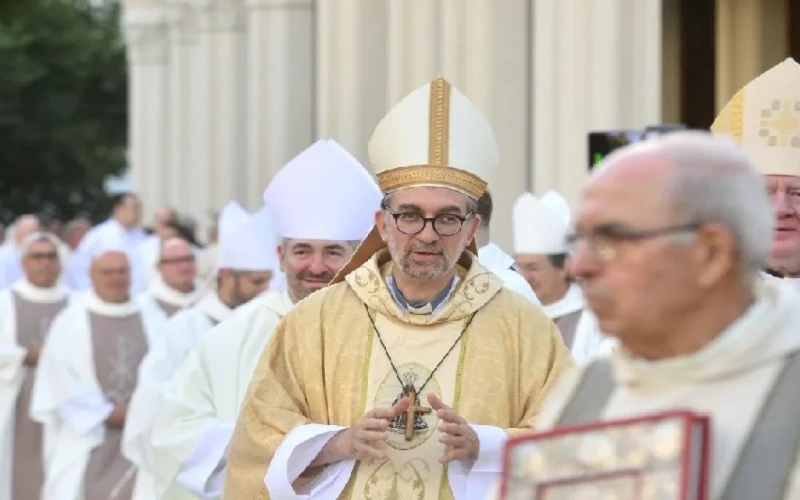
(361, 435)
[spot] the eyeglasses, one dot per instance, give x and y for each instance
(605, 240)
(413, 223)
(43, 255)
(178, 260)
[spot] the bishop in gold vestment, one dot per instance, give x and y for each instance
(477, 350)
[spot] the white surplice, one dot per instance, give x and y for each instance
(201, 403)
(497, 261)
(178, 337)
(67, 398)
(158, 290)
(12, 367)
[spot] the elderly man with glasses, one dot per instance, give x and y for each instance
(669, 243)
(403, 377)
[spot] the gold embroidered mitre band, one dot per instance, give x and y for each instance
(764, 118)
(434, 137)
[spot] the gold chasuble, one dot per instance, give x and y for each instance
(484, 350)
(324, 364)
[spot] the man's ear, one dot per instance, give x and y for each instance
(380, 223)
(281, 254)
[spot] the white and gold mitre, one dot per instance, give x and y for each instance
(434, 137)
(764, 118)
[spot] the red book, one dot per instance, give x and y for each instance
(660, 456)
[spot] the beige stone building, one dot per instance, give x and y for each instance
(223, 92)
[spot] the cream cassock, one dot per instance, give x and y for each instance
(246, 244)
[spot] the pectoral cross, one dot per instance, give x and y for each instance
(411, 413)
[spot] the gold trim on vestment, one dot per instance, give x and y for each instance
(431, 175)
(439, 123)
(362, 404)
(730, 120)
(445, 492)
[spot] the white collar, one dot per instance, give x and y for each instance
(97, 305)
(571, 302)
(491, 255)
(214, 307)
(34, 293)
(164, 292)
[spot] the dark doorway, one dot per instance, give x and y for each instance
(698, 62)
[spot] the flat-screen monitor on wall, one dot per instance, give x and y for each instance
(603, 143)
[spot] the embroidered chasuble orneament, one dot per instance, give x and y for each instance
(325, 365)
(33, 320)
(118, 343)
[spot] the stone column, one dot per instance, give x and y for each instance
(145, 31)
(414, 46)
(220, 137)
(751, 38)
(596, 66)
(280, 88)
(352, 71)
(183, 108)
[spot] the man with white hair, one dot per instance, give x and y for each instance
(10, 258)
(27, 308)
(85, 379)
(175, 286)
(670, 239)
(320, 227)
(762, 117)
(247, 262)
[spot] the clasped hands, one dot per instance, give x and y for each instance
(365, 440)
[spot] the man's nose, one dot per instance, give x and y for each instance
(782, 205)
(582, 261)
(428, 233)
(317, 265)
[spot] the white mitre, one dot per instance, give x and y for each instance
(323, 193)
(557, 204)
(764, 118)
(433, 137)
(539, 228)
(250, 246)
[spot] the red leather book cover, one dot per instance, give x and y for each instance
(659, 456)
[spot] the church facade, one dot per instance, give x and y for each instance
(223, 92)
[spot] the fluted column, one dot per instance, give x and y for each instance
(751, 38)
(352, 71)
(221, 140)
(148, 146)
(182, 23)
(597, 66)
(280, 88)
(414, 52)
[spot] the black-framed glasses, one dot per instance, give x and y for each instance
(413, 223)
(604, 240)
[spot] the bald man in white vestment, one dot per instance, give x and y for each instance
(320, 223)
(175, 286)
(669, 244)
(27, 309)
(494, 258)
(84, 382)
(247, 261)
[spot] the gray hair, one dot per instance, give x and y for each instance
(353, 243)
(713, 180)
